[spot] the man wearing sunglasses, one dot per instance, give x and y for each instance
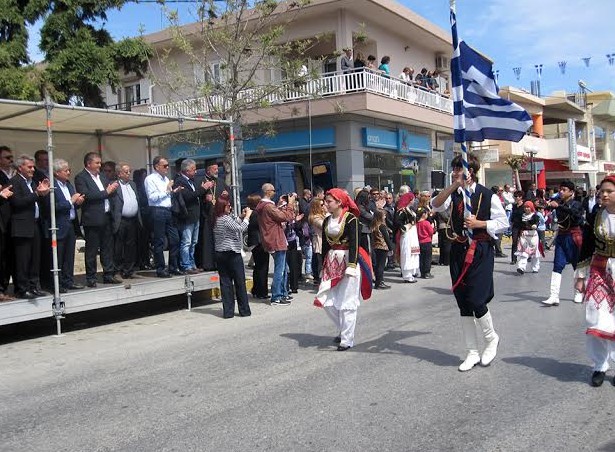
(159, 191)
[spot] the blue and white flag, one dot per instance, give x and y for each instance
(480, 113)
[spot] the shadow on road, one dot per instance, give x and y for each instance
(389, 343)
(440, 290)
(562, 371)
(514, 297)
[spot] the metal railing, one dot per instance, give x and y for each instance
(127, 106)
(328, 84)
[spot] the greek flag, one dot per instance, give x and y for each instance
(480, 113)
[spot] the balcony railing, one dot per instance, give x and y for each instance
(329, 84)
(127, 106)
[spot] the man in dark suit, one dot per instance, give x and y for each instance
(589, 202)
(96, 218)
(41, 163)
(205, 253)
(5, 194)
(26, 228)
(6, 250)
(126, 222)
(188, 218)
(530, 194)
(67, 201)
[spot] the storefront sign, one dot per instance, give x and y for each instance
(583, 154)
(609, 167)
(572, 145)
(396, 140)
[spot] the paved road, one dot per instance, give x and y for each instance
(192, 381)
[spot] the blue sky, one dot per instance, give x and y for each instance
(514, 33)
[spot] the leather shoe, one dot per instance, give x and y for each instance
(75, 287)
(25, 294)
(337, 339)
(39, 293)
(91, 284)
(164, 274)
(342, 348)
(192, 271)
(177, 272)
(127, 276)
(111, 280)
(597, 378)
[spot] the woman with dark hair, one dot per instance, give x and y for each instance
(384, 66)
(365, 219)
(316, 219)
(228, 232)
(260, 256)
(408, 239)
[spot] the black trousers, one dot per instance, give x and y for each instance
(27, 261)
(516, 232)
(260, 288)
(231, 271)
(316, 266)
(144, 252)
(498, 244)
(6, 260)
(426, 252)
(476, 290)
(46, 262)
(99, 237)
(444, 246)
(125, 246)
(379, 264)
(293, 260)
(66, 259)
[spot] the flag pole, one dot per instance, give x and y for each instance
(459, 113)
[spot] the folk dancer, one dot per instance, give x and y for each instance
(407, 238)
(597, 261)
(346, 274)
(472, 260)
(529, 246)
(568, 241)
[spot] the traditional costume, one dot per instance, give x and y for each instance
(528, 246)
(346, 275)
(471, 268)
(407, 238)
(597, 263)
(567, 246)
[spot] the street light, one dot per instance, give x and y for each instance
(532, 151)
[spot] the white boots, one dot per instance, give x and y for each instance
(491, 339)
(468, 325)
(556, 281)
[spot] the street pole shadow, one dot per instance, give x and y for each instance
(520, 296)
(440, 290)
(389, 343)
(608, 447)
(562, 371)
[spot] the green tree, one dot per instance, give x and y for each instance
(80, 55)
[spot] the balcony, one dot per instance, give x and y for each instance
(328, 84)
(129, 106)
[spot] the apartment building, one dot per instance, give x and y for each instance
(372, 130)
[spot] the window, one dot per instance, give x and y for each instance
(132, 96)
(201, 76)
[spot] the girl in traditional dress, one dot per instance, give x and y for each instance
(597, 261)
(340, 291)
(528, 244)
(408, 239)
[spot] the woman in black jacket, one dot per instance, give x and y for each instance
(261, 257)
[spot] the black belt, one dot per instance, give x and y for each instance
(160, 207)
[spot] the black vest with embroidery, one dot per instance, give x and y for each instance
(482, 212)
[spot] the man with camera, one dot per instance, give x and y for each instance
(270, 221)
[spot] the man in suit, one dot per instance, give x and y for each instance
(590, 202)
(41, 163)
(188, 219)
(126, 222)
(96, 218)
(67, 201)
(41, 172)
(6, 250)
(530, 195)
(205, 254)
(26, 228)
(5, 194)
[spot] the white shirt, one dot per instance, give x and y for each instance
(66, 193)
(498, 221)
(131, 206)
(510, 200)
(156, 188)
(96, 179)
(29, 184)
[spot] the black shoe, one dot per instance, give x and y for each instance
(288, 298)
(75, 287)
(111, 280)
(427, 276)
(39, 293)
(63, 290)
(338, 340)
(280, 302)
(598, 378)
(520, 271)
(342, 348)
(294, 291)
(177, 272)
(163, 274)
(91, 283)
(500, 255)
(127, 276)
(382, 285)
(25, 295)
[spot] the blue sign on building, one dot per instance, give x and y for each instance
(281, 142)
(396, 140)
